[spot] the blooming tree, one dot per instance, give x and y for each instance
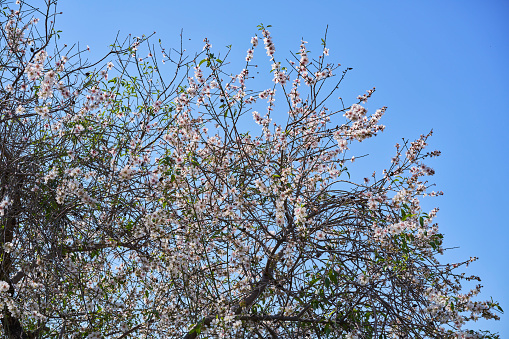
(135, 203)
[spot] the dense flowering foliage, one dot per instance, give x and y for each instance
(135, 204)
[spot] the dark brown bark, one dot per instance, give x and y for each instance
(12, 327)
(246, 301)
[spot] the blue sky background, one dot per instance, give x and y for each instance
(440, 65)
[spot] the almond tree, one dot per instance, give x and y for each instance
(135, 203)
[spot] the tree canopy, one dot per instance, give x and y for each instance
(139, 199)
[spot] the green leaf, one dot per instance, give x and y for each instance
(407, 216)
(88, 83)
(333, 275)
(313, 281)
(433, 244)
(327, 329)
(201, 62)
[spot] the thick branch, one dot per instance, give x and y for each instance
(246, 301)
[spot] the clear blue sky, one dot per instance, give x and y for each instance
(441, 65)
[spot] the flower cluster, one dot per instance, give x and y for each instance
(35, 68)
(126, 173)
(3, 206)
(364, 98)
(4, 287)
(356, 112)
(269, 44)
